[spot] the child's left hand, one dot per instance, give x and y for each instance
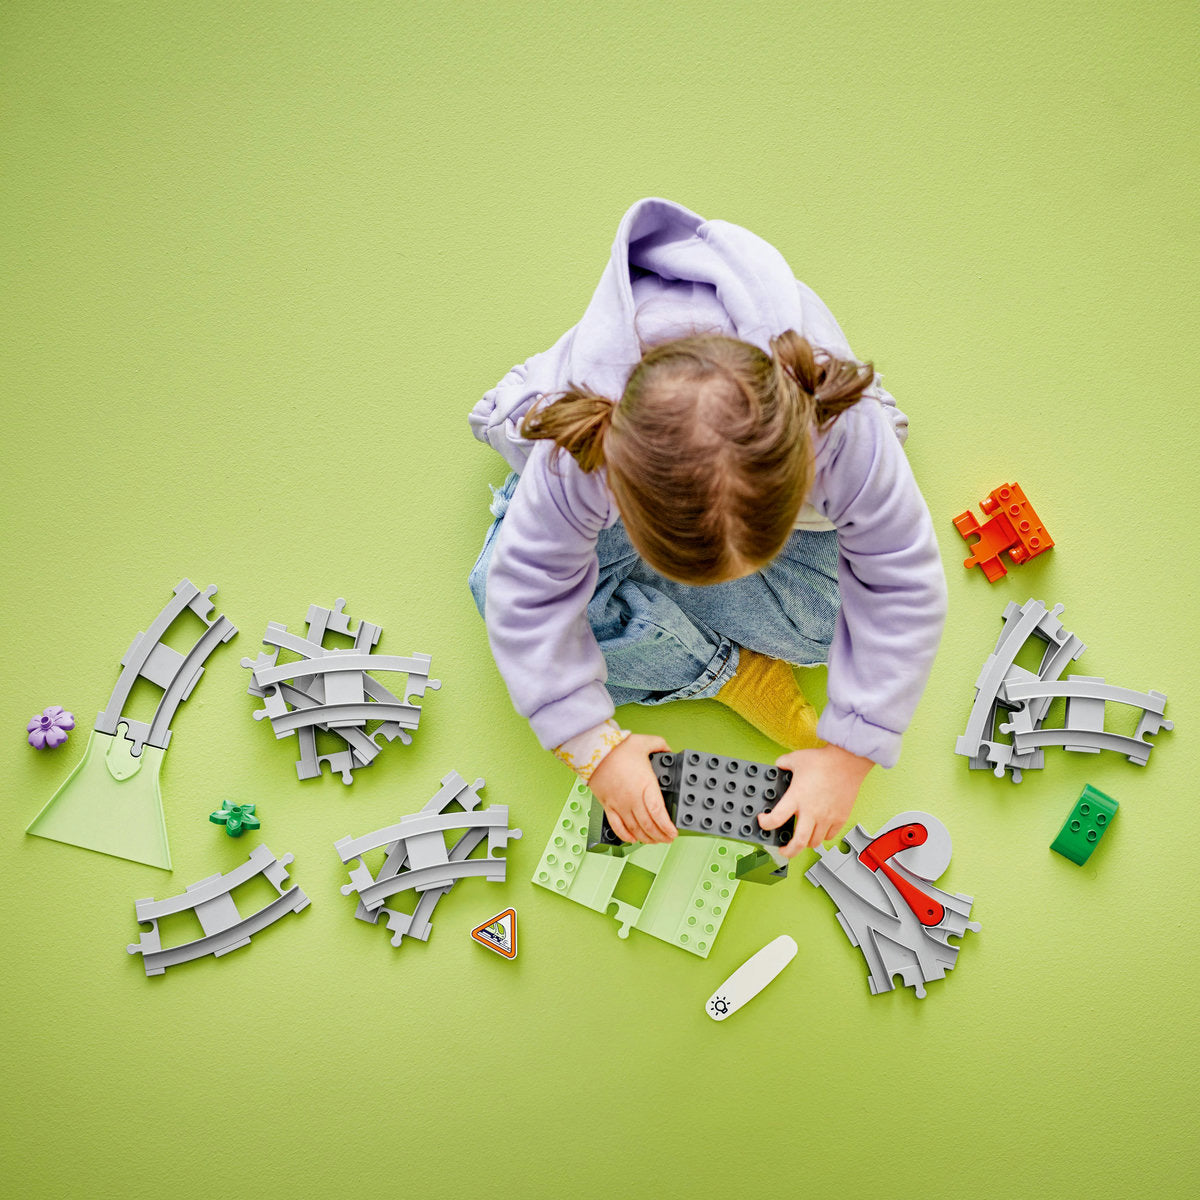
(824, 786)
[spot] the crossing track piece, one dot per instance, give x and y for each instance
(416, 924)
(416, 858)
(1083, 728)
(979, 742)
(1002, 685)
(332, 690)
(225, 929)
(360, 749)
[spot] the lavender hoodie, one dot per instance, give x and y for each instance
(671, 270)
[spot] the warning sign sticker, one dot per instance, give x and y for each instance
(499, 933)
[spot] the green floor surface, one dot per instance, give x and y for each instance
(259, 260)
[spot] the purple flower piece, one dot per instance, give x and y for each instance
(49, 729)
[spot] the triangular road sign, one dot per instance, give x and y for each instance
(499, 933)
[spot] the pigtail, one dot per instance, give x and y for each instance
(576, 420)
(828, 386)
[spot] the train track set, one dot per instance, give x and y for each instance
(333, 690)
(417, 859)
(680, 893)
(1024, 697)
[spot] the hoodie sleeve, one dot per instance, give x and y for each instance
(542, 575)
(892, 585)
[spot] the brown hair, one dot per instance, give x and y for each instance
(709, 452)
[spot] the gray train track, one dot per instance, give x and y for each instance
(176, 674)
(417, 859)
(332, 690)
(225, 928)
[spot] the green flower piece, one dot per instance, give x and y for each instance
(235, 818)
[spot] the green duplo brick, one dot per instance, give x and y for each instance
(1091, 816)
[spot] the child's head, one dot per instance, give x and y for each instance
(709, 452)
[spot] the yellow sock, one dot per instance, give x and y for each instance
(764, 692)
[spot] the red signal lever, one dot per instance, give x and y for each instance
(926, 909)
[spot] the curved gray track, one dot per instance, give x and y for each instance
(376, 893)
(406, 716)
(1133, 748)
(180, 688)
(157, 961)
(1072, 686)
(495, 817)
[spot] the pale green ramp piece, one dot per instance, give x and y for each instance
(691, 893)
(694, 879)
(111, 803)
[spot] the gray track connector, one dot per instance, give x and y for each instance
(416, 858)
(176, 674)
(876, 919)
(225, 929)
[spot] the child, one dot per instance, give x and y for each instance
(706, 488)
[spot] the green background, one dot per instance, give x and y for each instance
(259, 260)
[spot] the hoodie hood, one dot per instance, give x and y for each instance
(750, 278)
(744, 275)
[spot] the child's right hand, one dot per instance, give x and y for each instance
(627, 787)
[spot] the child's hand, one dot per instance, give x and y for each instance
(625, 784)
(825, 784)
